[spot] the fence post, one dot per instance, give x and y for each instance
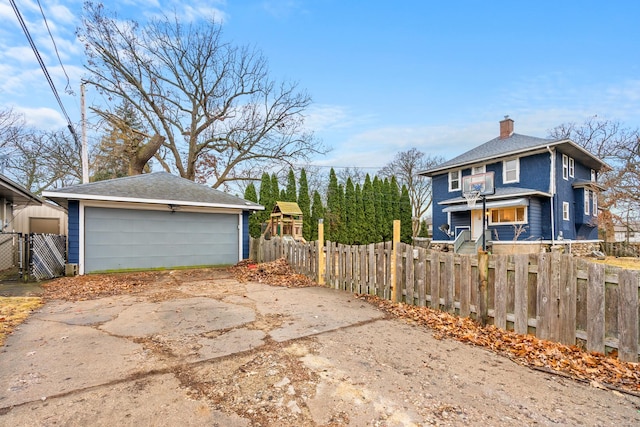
(394, 254)
(321, 254)
(483, 296)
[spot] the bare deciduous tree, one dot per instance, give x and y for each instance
(209, 99)
(620, 148)
(45, 160)
(405, 167)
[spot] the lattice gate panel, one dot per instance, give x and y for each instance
(48, 255)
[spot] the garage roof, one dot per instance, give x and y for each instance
(154, 188)
(16, 193)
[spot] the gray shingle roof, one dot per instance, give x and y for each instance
(15, 193)
(514, 145)
(157, 188)
(501, 193)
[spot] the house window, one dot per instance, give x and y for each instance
(511, 170)
(565, 211)
(572, 167)
(595, 204)
(454, 180)
(565, 166)
(478, 169)
(587, 202)
(512, 215)
(593, 176)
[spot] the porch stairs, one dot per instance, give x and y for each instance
(467, 248)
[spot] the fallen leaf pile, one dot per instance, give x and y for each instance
(91, 286)
(593, 368)
(13, 311)
(276, 273)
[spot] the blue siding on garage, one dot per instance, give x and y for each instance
(73, 238)
(245, 234)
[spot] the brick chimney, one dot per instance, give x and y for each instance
(506, 128)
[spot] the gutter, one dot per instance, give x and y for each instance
(552, 190)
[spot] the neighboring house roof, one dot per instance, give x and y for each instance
(514, 145)
(154, 188)
(500, 193)
(287, 208)
(15, 193)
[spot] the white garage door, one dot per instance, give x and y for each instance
(120, 239)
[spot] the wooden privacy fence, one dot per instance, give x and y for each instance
(555, 296)
(621, 248)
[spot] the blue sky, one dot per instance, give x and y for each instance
(384, 76)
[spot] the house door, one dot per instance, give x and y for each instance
(476, 224)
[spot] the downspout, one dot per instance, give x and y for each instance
(552, 190)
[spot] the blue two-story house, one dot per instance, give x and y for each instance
(545, 192)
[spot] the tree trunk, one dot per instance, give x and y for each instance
(143, 154)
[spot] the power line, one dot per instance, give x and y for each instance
(55, 47)
(44, 68)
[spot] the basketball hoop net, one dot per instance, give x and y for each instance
(472, 197)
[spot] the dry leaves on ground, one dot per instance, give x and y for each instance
(13, 311)
(594, 368)
(276, 273)
(91, 286)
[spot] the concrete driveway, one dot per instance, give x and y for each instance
(223, 353)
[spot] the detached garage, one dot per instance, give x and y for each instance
(155, 220)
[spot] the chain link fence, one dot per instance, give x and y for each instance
(32, 257)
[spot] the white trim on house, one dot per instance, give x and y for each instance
(458, 180)
(81, 197)
(489, 205)
(240, 228)
(81, 237)
(505, 172)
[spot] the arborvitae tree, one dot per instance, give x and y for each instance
(359, 217)
(275, 189)
(317, 212)
(254, 220)
(394, 198)
(370, 234)
(342, 224)
(290, 193)
(424, 229)
(283, 195)
(406, 214)
(380, 217)
(305, 205)
(350, 209)
(333, 214)
(387, 225)
(266, 199)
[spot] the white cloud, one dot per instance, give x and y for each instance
(42, 118)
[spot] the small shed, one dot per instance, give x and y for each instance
(46, 218)
(154, 220)
(286, 220)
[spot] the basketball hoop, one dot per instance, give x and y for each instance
(472, 197)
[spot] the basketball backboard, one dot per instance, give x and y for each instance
(481, 182)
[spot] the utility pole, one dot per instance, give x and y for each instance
(84, 154)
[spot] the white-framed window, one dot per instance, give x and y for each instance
(565, 166)
(455, 180)
(510, 215)
(511, 171)
(587, 201)
(478, 169)
(572, 167)
(594, 177)
(565, 211)
(595, 204)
